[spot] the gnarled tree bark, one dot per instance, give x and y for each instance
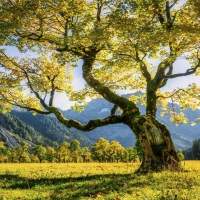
(158, 149)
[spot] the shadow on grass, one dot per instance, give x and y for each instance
(73, 187)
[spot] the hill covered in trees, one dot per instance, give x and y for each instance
(193, 153)
(40, 129)
(14, 125)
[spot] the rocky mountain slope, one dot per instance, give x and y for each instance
(182, 135)
(11, 124)
(13, 140)
(9, 138)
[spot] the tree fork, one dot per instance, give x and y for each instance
(106, 92)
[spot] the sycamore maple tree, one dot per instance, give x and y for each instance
(117, 41)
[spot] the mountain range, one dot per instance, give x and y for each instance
(182, 135)
(47, 130)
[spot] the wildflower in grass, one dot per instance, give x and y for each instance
(193, 187)
(125, 185)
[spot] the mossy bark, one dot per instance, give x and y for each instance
(158, 149)
(151, 98)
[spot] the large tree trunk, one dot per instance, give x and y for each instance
(158, 149)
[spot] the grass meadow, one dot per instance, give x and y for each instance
(116, 181)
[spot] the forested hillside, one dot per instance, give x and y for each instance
(52, 129)
(17, 126)
(193, 153)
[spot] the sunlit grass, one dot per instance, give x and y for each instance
(115, 181)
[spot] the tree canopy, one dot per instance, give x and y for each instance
(124, 37)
